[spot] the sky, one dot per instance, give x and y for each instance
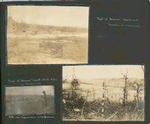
(102, 71)
(30, 90)
(75, 16)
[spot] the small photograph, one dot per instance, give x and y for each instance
(103, 93)
(30, 100)
(47, 34)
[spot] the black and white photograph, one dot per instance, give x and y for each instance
(47, 34)
(103, 93)
(30, 100)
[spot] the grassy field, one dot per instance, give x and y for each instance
(114, 90)
(28, 105)
(41, 44)
(26, 50)
(113, 111)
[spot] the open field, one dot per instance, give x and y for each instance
(41, 44)
(28, 105)
(114, 90)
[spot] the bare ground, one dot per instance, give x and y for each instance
(47, 49)
(26, 105)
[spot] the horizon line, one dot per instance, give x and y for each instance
(105, 78)
(44, 24)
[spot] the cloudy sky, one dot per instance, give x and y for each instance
(30, 90)
(102, 71)
(51, 15)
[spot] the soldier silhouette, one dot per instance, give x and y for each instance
(45, 99)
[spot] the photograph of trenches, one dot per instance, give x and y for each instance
(103, 93)
(47, 34)
(30, 100)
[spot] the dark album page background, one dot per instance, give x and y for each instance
(118, 34)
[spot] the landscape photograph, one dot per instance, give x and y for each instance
(103, 93)
(47, 34)
(30, 100)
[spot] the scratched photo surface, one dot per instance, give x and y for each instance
(29, 100)
(47, 34)
(103, 93)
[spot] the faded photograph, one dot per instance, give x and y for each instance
(29, 100)
(103, 93)
(47, 34)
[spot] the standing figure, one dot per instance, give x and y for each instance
(45, 99)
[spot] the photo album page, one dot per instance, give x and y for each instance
(72, 61)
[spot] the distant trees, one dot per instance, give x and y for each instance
(75, 84)
(138, 86)
(72, 93)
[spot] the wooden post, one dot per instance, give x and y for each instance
(126, 114)
(103, 102)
